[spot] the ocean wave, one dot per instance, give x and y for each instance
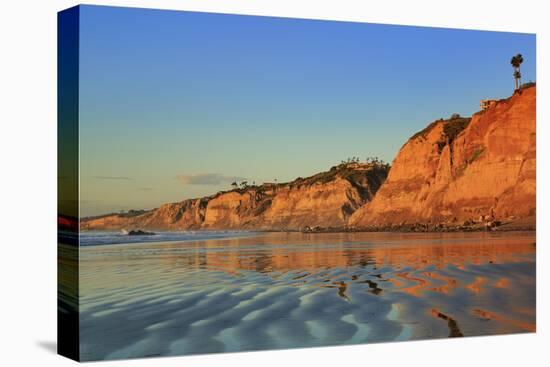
(110, 238)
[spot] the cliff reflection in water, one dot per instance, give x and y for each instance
(343, 250)
(280, 290)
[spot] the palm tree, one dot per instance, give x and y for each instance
(520, 61)
(516, 61)
(517, 76)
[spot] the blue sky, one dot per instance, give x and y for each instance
(175, 105)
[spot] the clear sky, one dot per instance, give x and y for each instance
(175, 105)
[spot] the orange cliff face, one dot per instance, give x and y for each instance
(327, 199)
(293, 206)
(185, 215)
(475, 170)
(322, 204)
(486, 171)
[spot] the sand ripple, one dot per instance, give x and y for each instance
(281, 291)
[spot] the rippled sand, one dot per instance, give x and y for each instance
(279, 290)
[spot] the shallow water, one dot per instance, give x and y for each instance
(285, 290)
(93, 238)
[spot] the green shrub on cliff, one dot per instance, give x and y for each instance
(476, 154)
(454, 126)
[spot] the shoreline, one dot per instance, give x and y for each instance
(203, 235)
(430, 228)
(384, 229)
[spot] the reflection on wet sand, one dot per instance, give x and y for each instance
(487, 315)
(281, 290)
(453, 326)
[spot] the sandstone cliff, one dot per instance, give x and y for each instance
(463, 170)
(327, 199)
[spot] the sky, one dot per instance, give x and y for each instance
(177, 105)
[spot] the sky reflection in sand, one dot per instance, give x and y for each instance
(283, 290)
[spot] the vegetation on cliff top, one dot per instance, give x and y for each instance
(451, 127)
(352, 170)
(454, 126)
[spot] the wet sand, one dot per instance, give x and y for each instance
(285, 290)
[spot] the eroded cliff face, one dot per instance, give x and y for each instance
(322, 204)
(457, 171)
(327, 199)
(454, 171)
(185, 215)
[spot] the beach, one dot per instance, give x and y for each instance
(291, 290)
